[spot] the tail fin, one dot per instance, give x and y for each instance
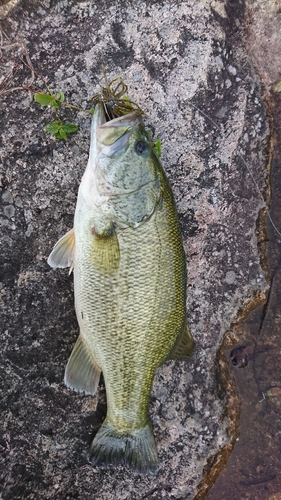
(136, 449)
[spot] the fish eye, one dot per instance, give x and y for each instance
(140, 147)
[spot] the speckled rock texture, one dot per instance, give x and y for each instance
(186, 66)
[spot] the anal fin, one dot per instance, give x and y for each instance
(184, 346)
(82, 373)
(62, 254)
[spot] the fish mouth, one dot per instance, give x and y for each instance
(129, 120)
(113, 136)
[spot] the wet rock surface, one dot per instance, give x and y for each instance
(186, 65)
(253, 470)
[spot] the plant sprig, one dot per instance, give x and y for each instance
(61, 130)
(50, 100)
(58, 128)
(156, 145)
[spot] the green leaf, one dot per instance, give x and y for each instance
(53, 127)
(60, 96)
(157, 147)
(55, 104)
(46, 100)
(149, 132)
(277, 87)
(43, 99)
(69, 128)
(61, 134)
(126, 98)
(61, 130)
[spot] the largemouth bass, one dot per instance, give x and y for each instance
(129, 283)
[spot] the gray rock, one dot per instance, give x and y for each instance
(230, 277)
(176, 59)
(7, 197)
(9, 211)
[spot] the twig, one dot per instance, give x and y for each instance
(24, 57)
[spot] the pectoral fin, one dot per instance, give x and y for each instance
(82, 373)
(184, 346)
(62, 254)
(105, 253)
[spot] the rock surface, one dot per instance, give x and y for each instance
(253, 469)
(185, 64)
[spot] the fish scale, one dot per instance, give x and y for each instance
(133, 312)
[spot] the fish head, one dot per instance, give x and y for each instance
(125, 158)
(121, 181)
